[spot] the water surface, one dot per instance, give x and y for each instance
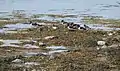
(106, 8)
(14, 28)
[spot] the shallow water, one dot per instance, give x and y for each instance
(106, 8)
(29, 54)
(103, 27)
(67, 19)
(11, 43)
(16, 43)
(30, 46)
(54, 50)
(13, 28)
(18, 26)
(56, 47)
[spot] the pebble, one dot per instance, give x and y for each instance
(101, 43)
(49, 37)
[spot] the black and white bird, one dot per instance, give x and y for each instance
(71, 25)
(31, 23)
(63, 22)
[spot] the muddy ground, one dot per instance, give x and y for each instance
(84, 54)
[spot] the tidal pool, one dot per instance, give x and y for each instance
(17, 43)
(103, 27)
(14, 28)
(11, 43)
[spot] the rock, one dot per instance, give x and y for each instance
(42, 54)
(33, 41)
(54, 27)
(41, 44)
(29, 54)
(112, 66)
(52, 56)
(104, 38)
(28, 64)
(66, 32)
(114, 32)
(17, 65)
(49, 37)
(114, 69)
(101, 43)
(56, 51)
(104, 46)
(110, 34)
(34, 70)
(104, 35)
(41, 24)
(9, 50)
(30, 46)
(98, 48)
(17, 61)
(100, 55)
(114, 46)
(56, 47)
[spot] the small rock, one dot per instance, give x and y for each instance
(56, 51)
(114, 32)
(33, 41)
(101, 43)
(114, 46)
(31, 63)
(112, 66)
(34, 70)
(56, 47)
(41, 24)
(29, 54)
(110, 34)
(42, 54)
(114, 70)
(98, 48)
(104, 38)
(104, 35)
(66, 32)
(104, 46)
(30, 46)
(17, 61)
(54, 27)
(51, 56)
(49, 37)
(17, 65)
(41, 44)
(8, 50)
(100, 55)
